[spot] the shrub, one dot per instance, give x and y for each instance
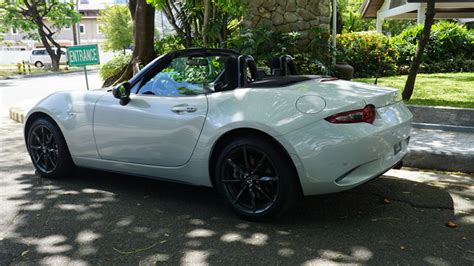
(365, 51)
(114, 66)
(450, 48)
(167, 44)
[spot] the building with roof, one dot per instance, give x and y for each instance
(415, 9)
(88, 29)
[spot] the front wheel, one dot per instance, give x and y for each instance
(39, 64)
(48, 149)
(256, 178)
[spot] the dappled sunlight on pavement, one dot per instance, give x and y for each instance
(459, 186)
(96, 217)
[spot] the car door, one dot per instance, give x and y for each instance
(160, 125)
(149, 130)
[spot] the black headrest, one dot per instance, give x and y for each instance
(282, 66)
(275, 66)
(231, 70)
(291, 67)
(252, 67)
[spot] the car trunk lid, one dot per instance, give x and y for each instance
(356, 91)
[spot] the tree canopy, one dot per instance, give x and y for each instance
(117, 26)
(204, 22)
(46, 17)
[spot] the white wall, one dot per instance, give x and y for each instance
(13, 57)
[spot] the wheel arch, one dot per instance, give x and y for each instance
(35, 116)
(239, 132)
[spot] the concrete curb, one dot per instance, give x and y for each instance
(17, 114)
(463, 129)
(439, 161)
(19, 111)
(451, 116)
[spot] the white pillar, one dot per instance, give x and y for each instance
(421, 15)
(379, 23)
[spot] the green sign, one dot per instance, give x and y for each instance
(83, 55)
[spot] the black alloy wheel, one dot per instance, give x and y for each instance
(44, 149)
(256, 179)
(48, 150)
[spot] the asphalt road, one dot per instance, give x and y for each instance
(95, 217)
(14, 91)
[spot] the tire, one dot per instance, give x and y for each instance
(256, 179)
(48, 149)
(39, 64)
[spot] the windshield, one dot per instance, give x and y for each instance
(189, 75)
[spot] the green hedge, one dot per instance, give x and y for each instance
(366, 51)
(450, 49)
(114, 65)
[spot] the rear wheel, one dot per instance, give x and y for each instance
(255, 178)
(48, 149)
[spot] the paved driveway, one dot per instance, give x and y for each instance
(13, 91)
(101, 218)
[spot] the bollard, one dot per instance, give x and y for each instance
(23, 66)
(29, 68)
(18, 65)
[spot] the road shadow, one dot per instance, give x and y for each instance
(5, 83)
(96, 217)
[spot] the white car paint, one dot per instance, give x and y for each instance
(147, 138)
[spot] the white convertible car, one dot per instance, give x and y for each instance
(208, 117)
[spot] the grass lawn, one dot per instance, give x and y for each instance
(444, 89)
(13, 71)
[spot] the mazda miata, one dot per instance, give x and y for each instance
(210, 117)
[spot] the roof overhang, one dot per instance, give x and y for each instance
(444, 9)
(369, 8)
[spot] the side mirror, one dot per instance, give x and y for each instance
(122, 92)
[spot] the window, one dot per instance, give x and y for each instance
(39, 52)
(82, 29)
(14, 31)
(84, 1)
(186, 76)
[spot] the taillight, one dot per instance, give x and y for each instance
(366, 115)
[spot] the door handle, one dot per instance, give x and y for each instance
(183, 108)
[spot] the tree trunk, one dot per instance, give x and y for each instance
(46, 36)
(143, 16)
(45, 40)
(424, 38)
(205, 23)
(144, 30)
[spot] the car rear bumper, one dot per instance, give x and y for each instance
(337, 157)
